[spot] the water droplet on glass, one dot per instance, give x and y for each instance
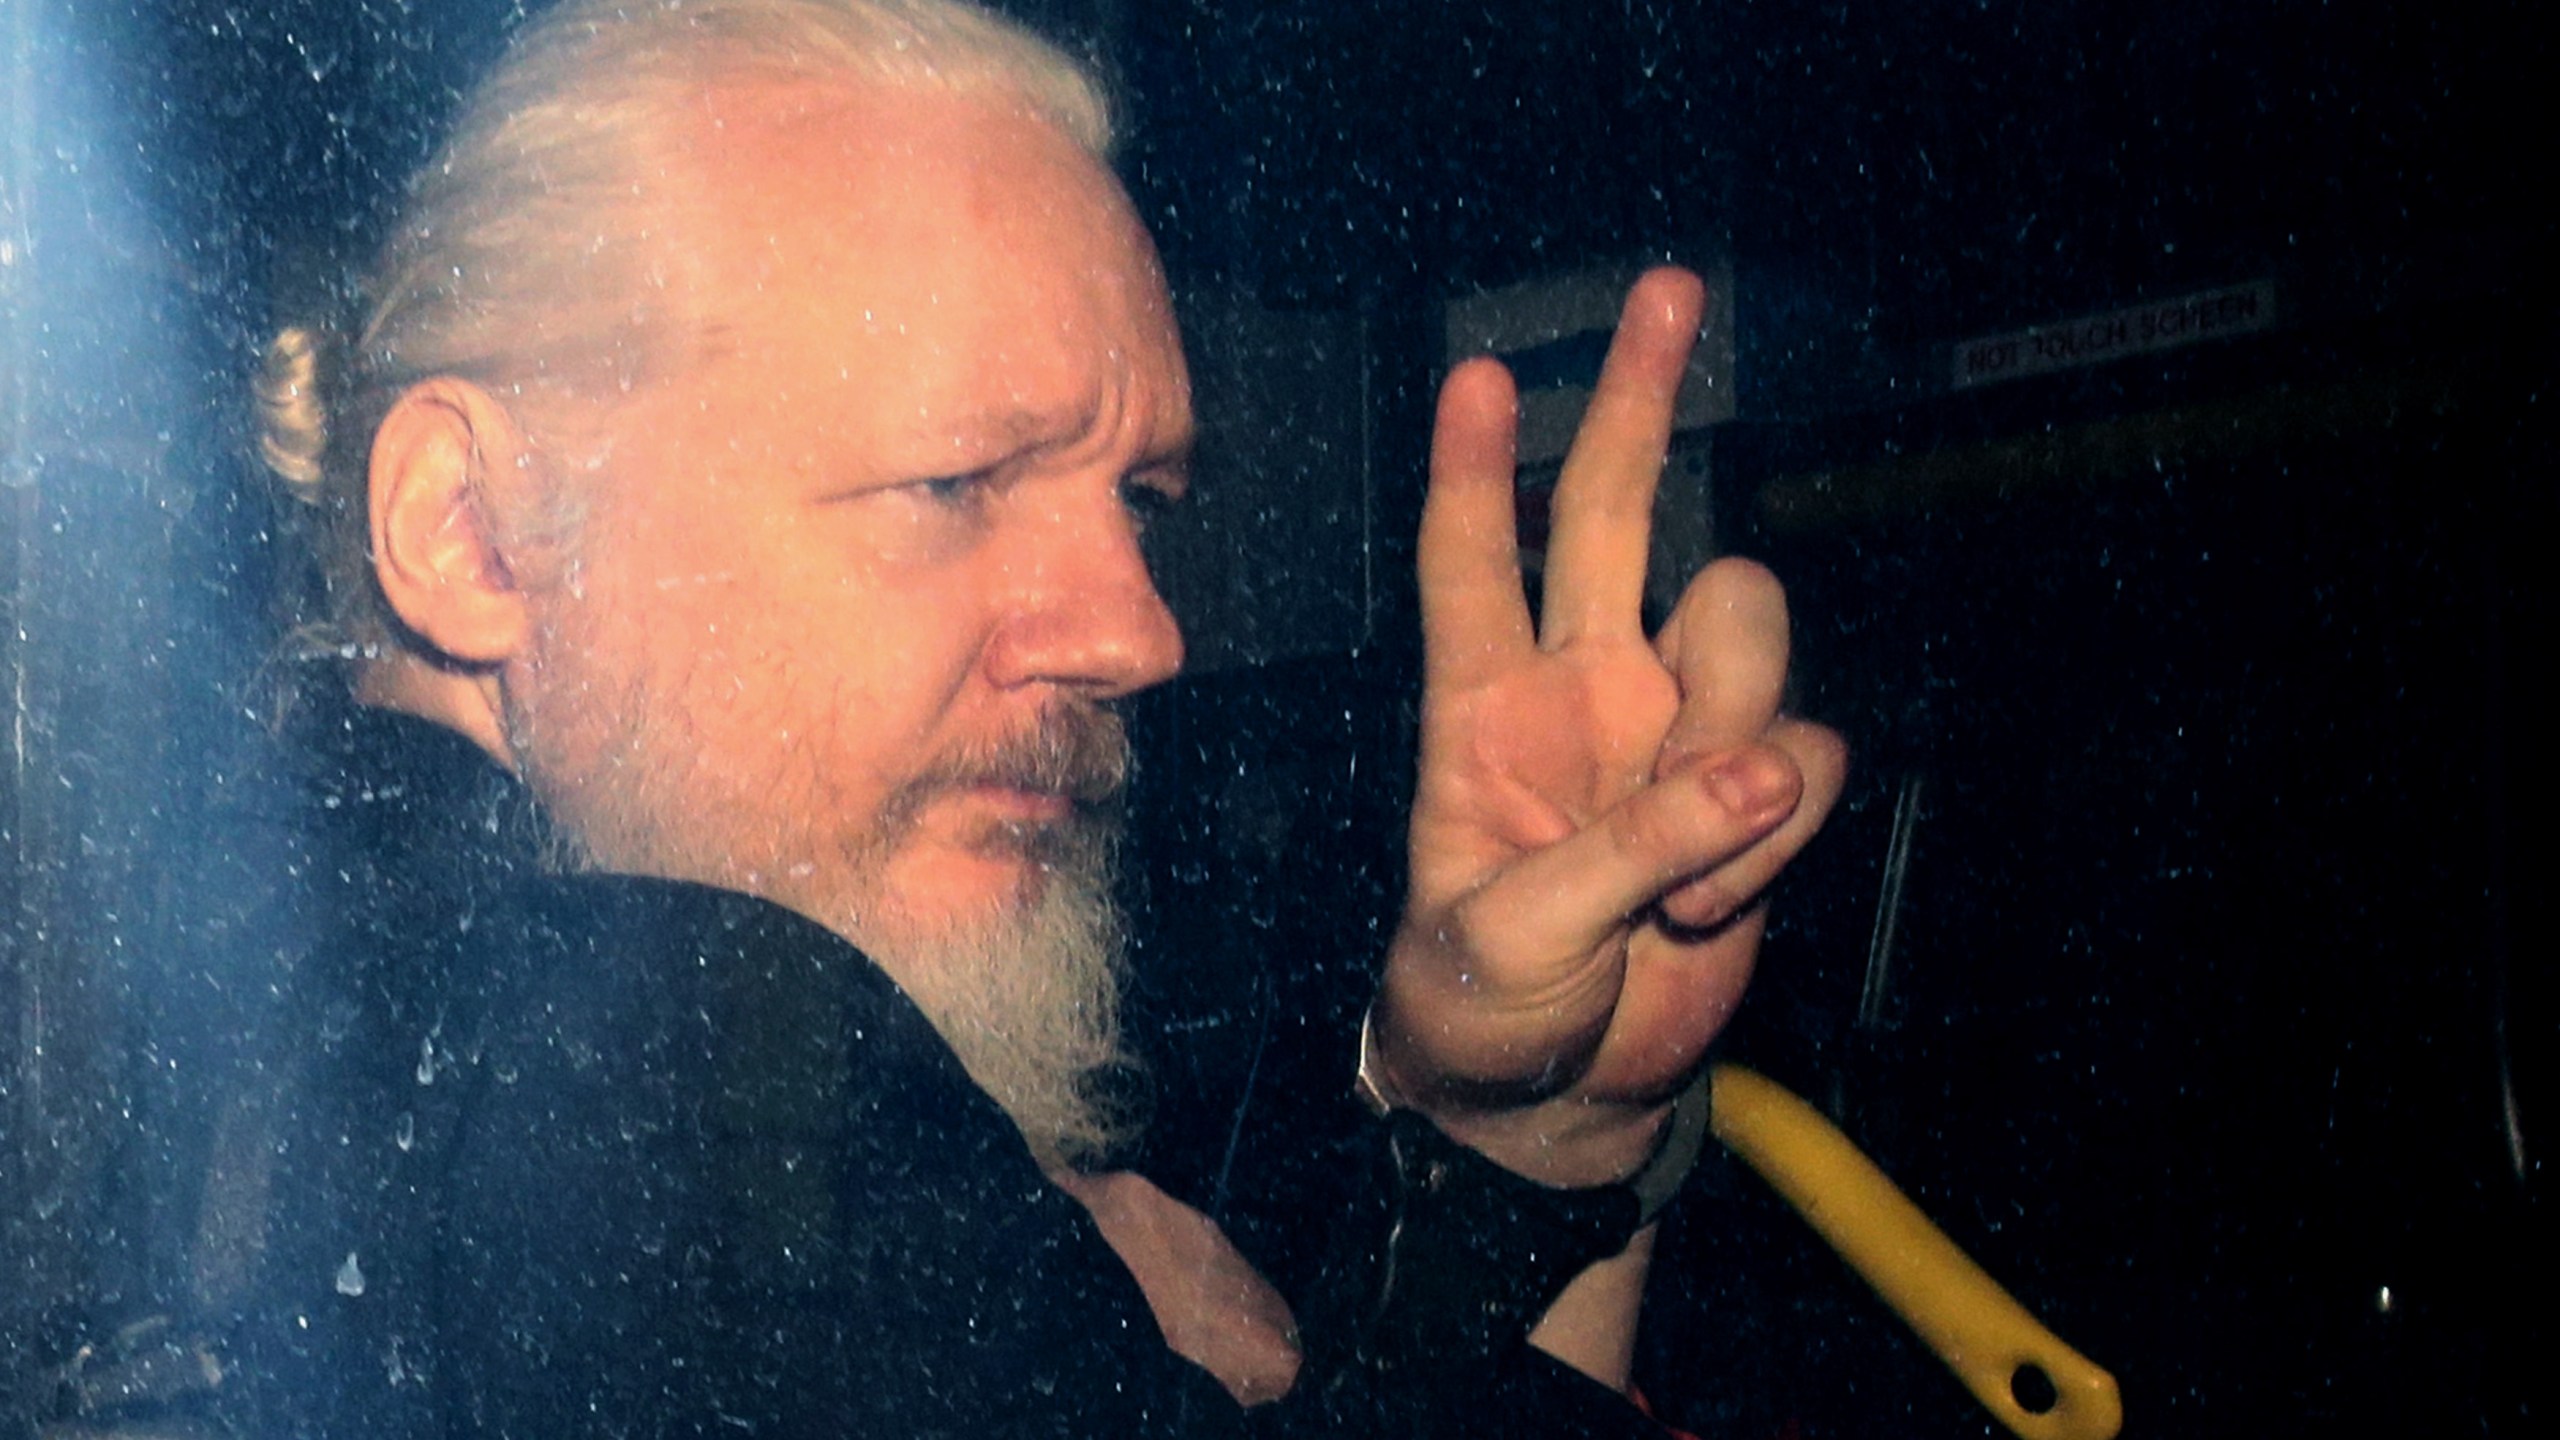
(351, 1276)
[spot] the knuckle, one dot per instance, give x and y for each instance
(1818, 750)
(1651, 832)
(1703, 904)
(1463, 934)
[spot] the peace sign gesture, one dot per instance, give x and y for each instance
(1598, 810)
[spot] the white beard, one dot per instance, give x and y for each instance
(1026, 994)
(1030, 1001)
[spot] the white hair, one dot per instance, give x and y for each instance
(531, 254)
(539, 256)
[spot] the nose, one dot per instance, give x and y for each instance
(1084, 614)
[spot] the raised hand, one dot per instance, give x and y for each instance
(1598, 810)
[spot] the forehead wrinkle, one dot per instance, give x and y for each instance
(1120, 422)
(1005, 428)
(1101, 421)
(765, 154)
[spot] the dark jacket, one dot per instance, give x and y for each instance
(598, 1155)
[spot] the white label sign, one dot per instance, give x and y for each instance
(2134, 330)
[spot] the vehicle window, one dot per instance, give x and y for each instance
(2144, 407)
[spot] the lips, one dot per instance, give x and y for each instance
(1023, 805)
(1078, 755)
(1071, 764)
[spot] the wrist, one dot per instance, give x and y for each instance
(1565, 1142)
(1592, 1324)
(1460, 1257)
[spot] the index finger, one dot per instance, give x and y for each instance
(1474, 608)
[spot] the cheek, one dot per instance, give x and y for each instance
(868, 685)
(692, 584)
(785, 630)
(894, 638)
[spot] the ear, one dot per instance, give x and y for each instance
(442, 460)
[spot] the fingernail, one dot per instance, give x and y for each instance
(1754, 785)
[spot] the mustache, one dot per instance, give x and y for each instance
(1077, 751)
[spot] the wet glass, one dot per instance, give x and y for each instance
(2143, 404)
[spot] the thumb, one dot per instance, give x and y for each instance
(1552, 909)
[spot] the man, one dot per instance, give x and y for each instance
(737, 482)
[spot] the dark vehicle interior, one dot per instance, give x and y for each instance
(2145, 405)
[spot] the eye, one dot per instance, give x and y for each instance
(957, 492)
(1150, 494)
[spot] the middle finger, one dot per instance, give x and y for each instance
(1604, 497)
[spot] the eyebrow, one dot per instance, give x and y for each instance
(1006, 428)
(1177, 455)
(1011, 430)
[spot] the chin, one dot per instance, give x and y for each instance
(961, 893)
(986, 890)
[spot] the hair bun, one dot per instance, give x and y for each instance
(293, 423)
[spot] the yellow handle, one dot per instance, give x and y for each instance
(1985, 1337)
